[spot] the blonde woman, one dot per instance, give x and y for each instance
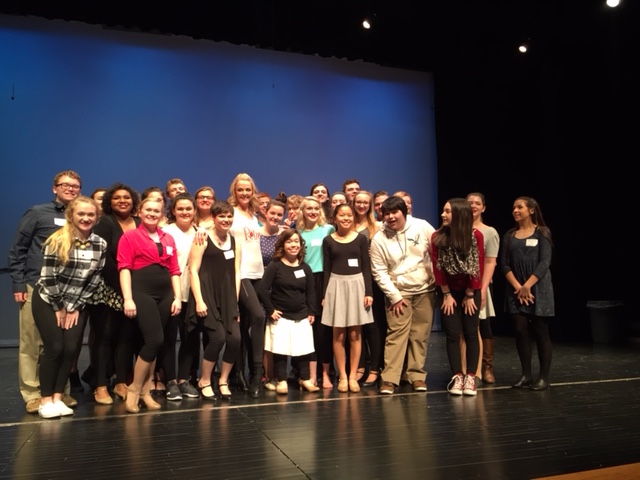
(247, 231)
(73, 260)
(313, 228)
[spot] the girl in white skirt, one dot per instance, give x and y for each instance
(288, 295)
(348, 293)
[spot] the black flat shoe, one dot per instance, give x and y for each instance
(524, 382)
(539, 384)
(373, 383)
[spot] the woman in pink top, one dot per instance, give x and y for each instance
(150, 281)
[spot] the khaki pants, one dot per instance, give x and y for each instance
(408, 335)
(29, 351)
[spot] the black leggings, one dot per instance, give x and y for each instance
(529, 327)
(251, 327)
(374, 334)
(60, 346)
(153, 296)
(460, 322)
(280, 366)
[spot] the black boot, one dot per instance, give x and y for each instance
(241, 381)
(256, 383)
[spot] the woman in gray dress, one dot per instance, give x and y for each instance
(525, 261)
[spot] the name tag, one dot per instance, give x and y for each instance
(352, 262)
(229, 254)
(316, 242)
(61, 222)
(531, 242)
(299, 273)
(169, 250)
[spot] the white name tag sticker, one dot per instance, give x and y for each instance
(299, 273)
(61, 222)
(169, 250)
(352, 262)
(229, 254)
(531, 242)
(316, 242)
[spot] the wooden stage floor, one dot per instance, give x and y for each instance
(588, 420)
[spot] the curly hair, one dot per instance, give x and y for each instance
(108, 195)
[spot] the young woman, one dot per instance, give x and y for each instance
(246, 231)
(214, 269)
(313, 228)
(525, 261)
(487, 311)
(204, 196)
(150, 281)
(347, 293)
(181, 228)
(373, 333)
(338, 198)
(321, 192)
(114, 334)
(457, 254)
(274, 213)
(73, 259)
(288, 296)
(156, 193)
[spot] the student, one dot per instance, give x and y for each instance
(73, 259)
(348, 294)
(214, 271)
(457, 255)
(150, 282)
(402, 268)
(288, 295)
(25, 264)
(525, 261)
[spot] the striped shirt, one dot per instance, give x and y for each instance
(69, 286)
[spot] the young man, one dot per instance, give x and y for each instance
(379, 197)
(350, 188)
(401, 266)
(174, 187)
(25, 264)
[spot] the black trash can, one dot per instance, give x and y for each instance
(607, 321)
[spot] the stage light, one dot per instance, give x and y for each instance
(613, 3)
(369, 21)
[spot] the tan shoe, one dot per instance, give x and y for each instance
(120, 389)
(32, 405)
(282, 387)
(69, 401)
(101, 396)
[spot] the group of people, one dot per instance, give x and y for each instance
(347, 282)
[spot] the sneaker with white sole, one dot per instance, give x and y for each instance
(456, 384)
(62, 408)
(173, 392)
(48, 410)
(188, 390)
(469, 387)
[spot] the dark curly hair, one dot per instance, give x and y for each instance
(283, 237)
(108, 195)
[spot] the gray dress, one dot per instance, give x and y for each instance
(524, 257)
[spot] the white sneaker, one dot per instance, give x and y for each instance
(456, 384)
(469, 385)
(48, 410)
(62, 408)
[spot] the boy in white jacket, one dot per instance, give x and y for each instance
(401, 266)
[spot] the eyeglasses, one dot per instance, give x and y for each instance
(205, 197)
(68, 186)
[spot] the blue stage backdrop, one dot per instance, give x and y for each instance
(142, 108)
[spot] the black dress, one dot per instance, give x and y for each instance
(218, 286)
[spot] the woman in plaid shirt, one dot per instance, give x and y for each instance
(73, 259)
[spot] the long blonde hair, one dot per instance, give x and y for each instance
(62, 241)
(233, 199)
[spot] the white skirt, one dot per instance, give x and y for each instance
(488, 310)
(289, 337)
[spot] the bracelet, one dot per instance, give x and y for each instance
(469, 296)
(446, 294)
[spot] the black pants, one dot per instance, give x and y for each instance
(60, 346)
